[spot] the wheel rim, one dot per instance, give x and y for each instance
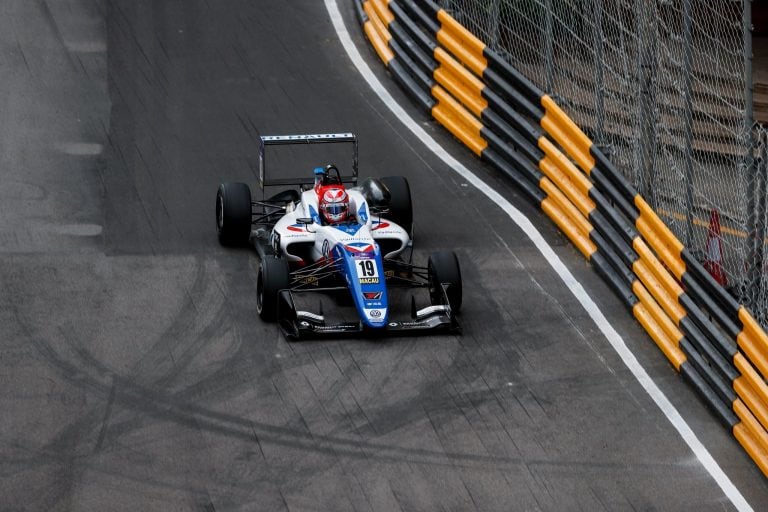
(259, 292)
(219, 213)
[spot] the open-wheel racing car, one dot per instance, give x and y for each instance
(328, 234)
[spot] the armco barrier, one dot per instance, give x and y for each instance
(501, 116)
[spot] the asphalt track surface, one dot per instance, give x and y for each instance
(134, 372)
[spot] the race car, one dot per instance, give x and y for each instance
(330, 235)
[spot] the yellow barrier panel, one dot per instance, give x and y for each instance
(454, 85)
(385, 54)
(748, 395)
(581, 242)
(561, 161)
(477, 65)
(642, 270)
(675, 264)
(583, 159)
(566, 206)
(471, 122)
(453, 124)
(745, 415)
(557, 120)
(749, 374)
(672, 287)
(468, 79)
(376, 21)
(551, 171)
(382, 9)
(670, 349)
(660, 317)
(661, 229)
(757, 336)
(469, 39)
(377, 34)
(751, 446)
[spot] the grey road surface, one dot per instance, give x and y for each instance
(134, 372)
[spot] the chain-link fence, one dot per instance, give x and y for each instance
(664, 87)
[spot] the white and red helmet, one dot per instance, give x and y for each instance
(334, 204)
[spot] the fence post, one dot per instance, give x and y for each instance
(687, 71)
(548, 50)
(645, 22)
(599, 78)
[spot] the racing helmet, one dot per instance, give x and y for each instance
(334, 204)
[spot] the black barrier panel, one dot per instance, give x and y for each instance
(423, 40)
(615, 281)
(426, 62)
(698, 295)
(427, 21)
(618, 179)
(614, 194)
(532, 191)
(504, 68)
(495, 123)
(509, 154)
(422, 79)
(716, 359)
(721, 410)
(411, 87)
(360, 12)
(514, 98)
(625, 252)
(624, 228)
(696, 269)
(508, 113)
(612, 257)
(690, 374)
(724, 345)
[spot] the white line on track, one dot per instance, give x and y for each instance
(613, 337)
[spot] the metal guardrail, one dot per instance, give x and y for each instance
(708, 337)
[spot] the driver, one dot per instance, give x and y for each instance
(334, 204)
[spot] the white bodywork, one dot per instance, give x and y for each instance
(299, 242)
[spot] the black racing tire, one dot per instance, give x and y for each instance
(233, 214)
(273, 276)
(400, 206)
(443, 268)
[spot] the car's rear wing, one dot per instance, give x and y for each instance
(318, 138)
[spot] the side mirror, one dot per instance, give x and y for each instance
(305, 220)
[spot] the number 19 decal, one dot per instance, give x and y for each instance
(367, 269)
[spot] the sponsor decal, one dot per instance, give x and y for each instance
(309, 280)
(350, 229)
(363, 213)
(375, 313)
(296, 227)
(338, 327)
(369, 280)
(379, 225)
(357, 247)
(372, 295)
(420, 323)
(367, 269)
(313, 213)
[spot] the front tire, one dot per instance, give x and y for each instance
(443, 269)
(233, 214)
(273, 276)
(400, 205)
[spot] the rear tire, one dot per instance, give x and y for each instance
(273, 276)
(233, 214)
(400, 206)
(443, 269)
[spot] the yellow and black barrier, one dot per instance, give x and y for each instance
(506, 120)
